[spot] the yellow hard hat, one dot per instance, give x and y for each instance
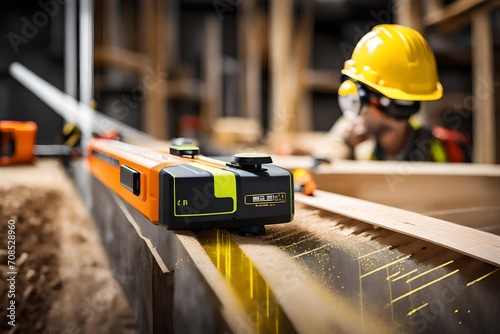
(397, 62)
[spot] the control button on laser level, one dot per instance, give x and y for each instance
(130, 179)
(185, 150)
(250, 161)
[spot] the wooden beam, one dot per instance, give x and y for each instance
(184, 88)
(121, 58)
(323, 81)
(451, 11)
(400, 184)
(323, 272)
(334, 315)
(484, 109)
(477, 244)
(157, 265)
(457, 11)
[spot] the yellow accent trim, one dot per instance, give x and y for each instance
(224, 182)
(224, 187)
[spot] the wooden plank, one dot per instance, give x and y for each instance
(308, 307)
(323, 81)
(484, 109)
(401, 184)
(120, 58)
(184, 88)
(477, 244)
(297, 273)
(374, 270)
(390, 167)
(464, 19)
(231, 307)
(484, 218)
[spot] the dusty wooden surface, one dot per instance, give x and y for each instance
(64, 282)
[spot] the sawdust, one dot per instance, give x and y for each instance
(38, 281)
(64, 283)
(319, 227)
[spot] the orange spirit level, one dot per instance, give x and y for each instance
(17, 140)
(184, 190)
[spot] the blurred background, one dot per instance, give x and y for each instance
(240, 73)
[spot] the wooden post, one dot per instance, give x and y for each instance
(112, 24)
(250, 58)
(173, 30)
(432, 6)
(484, 111)
(280, 36)
(212, 105)
(300, 101)
(154, 82)
(130, 26)
(409, 13)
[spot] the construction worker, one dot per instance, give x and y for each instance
(392, 69)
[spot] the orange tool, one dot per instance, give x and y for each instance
(303, 181)
(17, 142)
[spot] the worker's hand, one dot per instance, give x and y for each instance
(356, 132)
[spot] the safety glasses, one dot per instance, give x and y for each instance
(354, 95)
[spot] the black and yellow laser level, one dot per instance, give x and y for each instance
(182, 189)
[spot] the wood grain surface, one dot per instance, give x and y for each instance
(477, 244)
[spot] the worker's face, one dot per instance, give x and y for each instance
(375, 121)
